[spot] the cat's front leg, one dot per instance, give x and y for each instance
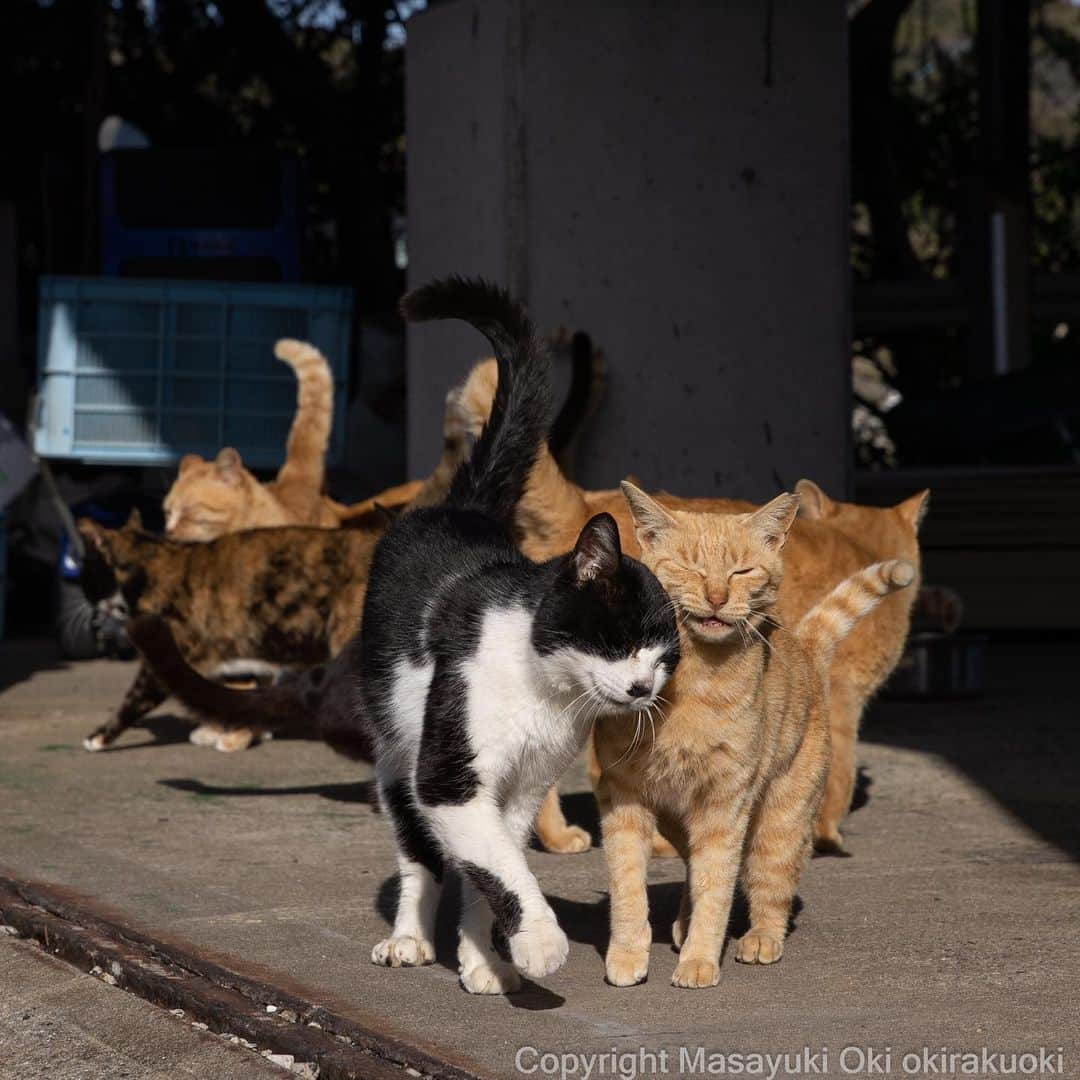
(482, 969)
(777, 847)
(715, 836)
(628, 828)
(420, 868)
(490, 854)
(144, 695)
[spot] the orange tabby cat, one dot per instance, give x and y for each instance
(211, 498)
(734, 771)
(829, 542)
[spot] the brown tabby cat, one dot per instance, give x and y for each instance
(269, 598)
(735, 770)
(829, 542)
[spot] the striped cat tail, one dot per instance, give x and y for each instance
(493, 478)
(824, 626)
(309, 436)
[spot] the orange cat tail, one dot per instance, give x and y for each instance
(824, 626)
(305, 458)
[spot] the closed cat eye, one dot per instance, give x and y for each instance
(747, 570)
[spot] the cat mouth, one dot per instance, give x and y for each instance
(712, 625)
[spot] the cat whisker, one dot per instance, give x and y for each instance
(766, 617)
(761, 637)
(633, 743)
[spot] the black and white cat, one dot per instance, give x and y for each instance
(482, 671)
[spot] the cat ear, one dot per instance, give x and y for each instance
(813, 502)
(93, 534)
(913, 510)
(772, 522)
(134, 521)
(187, 461)
(229, 466)
(597, 551)
(651, 520)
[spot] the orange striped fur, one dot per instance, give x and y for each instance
(211, 498)
(829, 541)
(733, 771)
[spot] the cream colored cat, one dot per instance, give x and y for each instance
(733, 770)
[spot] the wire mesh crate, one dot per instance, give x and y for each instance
(141, 372)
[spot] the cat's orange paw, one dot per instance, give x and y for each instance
(663, 848)
(828, 841)
(695, 973)
(625, 966)
(759, 947)
(678, 932)
(569, 841)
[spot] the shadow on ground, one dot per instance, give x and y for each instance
(1019, 740)
(362, 791)
(24, 657)
(164, 729)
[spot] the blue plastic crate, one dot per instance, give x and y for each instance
(141, 372)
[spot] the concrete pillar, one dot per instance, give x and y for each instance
(670, 177)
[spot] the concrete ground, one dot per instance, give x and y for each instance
(954, 923)
(63, 1024)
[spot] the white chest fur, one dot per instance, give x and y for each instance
(523, 726)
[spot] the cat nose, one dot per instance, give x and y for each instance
(717, 597)
(641, 688)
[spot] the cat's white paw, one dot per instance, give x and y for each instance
(539, 947)
(404, 951)
(496, 977)
(230, 742)
(94, 742)
(204, 735)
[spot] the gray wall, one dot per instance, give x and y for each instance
(673, 179)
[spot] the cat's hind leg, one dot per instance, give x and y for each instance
(554, 832)
(420, 870)
(845, 712)
(145, 694)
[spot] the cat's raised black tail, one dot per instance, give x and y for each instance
(493, 478)
(318, 702)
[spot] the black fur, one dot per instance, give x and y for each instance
(437, 570)
(493, 478)
(444, 772)
(505, 905)
(578, 397)
(320, 701)
(412, 834)
(600, 612)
